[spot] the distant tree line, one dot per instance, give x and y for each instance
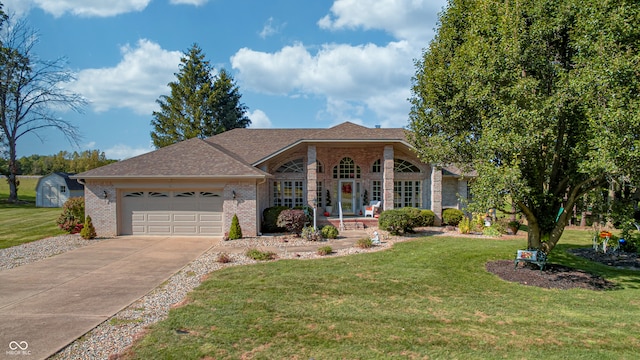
(63, 161)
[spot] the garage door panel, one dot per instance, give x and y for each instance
(159, 212)
(185, 217)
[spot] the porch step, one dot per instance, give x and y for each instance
(350, 223)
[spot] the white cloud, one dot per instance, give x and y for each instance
(17, 7)
(259, 120)
(89, 8)
(352, 76)
(189, 2)
(121, 151)
(404, 19)
(135, 83)
(271, 27)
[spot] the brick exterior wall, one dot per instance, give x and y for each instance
(102, 211)
(244, 205)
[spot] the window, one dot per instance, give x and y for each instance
(319, 167)
(407, 193)
(186, 194)
(134, 194)
(403, 166)
(376, 190)
(63, 189)
(347, 169)
(319, 193)
(288, 193)
(376, 167)
(293, 166)
(208, 194)
(155, 194)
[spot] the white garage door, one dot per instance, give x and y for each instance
(192, 212)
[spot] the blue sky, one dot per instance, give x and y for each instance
(298, 63)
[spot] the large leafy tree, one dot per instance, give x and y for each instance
(540, 97)
(198, 106)
(31, 92)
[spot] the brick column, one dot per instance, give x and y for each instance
(312, 175)
(387, 178)
(436, 194)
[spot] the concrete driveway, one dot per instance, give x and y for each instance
(46, 305)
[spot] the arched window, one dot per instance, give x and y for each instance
(403, 166)
(376, 167)
(347, 169)
(293, 166)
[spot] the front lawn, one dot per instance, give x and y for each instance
(23, 222)
(429, 298)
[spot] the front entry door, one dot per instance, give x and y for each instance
(347, 196)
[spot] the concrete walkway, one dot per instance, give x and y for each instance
(48, 304)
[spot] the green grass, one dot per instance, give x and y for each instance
(429, 298)
(22, 223)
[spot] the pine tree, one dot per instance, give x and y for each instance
(235, 232)
(197, 106)
(88, 230)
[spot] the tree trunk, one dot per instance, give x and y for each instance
(538, 238)
(12, 179)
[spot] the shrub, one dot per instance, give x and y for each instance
(325, 250)
(256, 254)
(292, 220)
(329, 232)
(464, 227)
(224, 258)
(311, 234)
(235, 232)
(452, 216)
(308, 211)
(496, 229)
(427, 218)
(72, 216)
(414, 217)
(395, 221)
(364, 243)
(270, 219)
(88, 231)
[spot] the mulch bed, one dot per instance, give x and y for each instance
(562, 277)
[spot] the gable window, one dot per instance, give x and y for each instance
(376, 167)
(407, 193)
(293, 166)
(288, 193)
(63, 189)
(403, 166)
(347, 169)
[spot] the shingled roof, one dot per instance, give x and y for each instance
(254, 145)
(193, 158)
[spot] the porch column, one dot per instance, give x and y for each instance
(436, 194)
(387, 178)
(312, 175)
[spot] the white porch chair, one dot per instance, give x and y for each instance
(372, 208)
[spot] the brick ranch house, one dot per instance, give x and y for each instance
(196, 186)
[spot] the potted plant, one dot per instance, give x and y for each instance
(327, 204)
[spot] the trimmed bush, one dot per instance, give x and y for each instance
(364, 243)
(395, 221)
(235, 232)
(270, 219)
(88, 231)
(292, 220)
(311, 234)
(329, 232)
(414, 217)
(427, 218)
(452, 216)
(72, 218)
(325, 250)
(256, 254)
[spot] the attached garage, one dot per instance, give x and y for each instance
(172, 212)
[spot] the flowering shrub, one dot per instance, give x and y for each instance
(72, 217)
(292, 220)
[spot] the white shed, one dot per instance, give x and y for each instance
(55, 189)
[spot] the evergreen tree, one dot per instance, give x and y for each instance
(197, 107)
